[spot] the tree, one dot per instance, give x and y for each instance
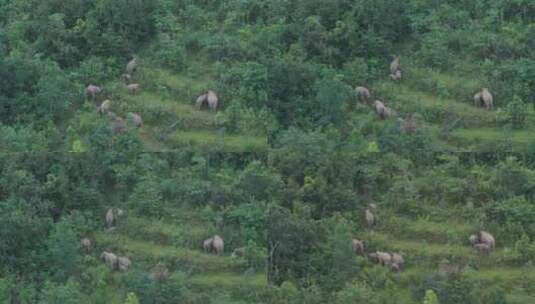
(430, 297)
(131, 298)
(291, 243)
(63, 245)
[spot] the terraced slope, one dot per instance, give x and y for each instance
(176, 242)
(166, 103)
(445, 104)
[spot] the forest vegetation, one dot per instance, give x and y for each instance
(267, 151)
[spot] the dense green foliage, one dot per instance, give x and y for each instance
(285, 169)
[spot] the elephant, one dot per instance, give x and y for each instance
(484, 98)
(104, 106)
(112, 215)
(384, 258)
(483, 248)
(238, 252)
(131, 67)
(209, 99)
(159, 273)
(395, 267)
(86, 244)
(133, 88)
(398, 260)
(395, 65)
(382, 110)
(127, 78)
(407, 126)
(207, 244)
(363, 93)
(118, 125)
(370, 218)
(213, 100)
(93, 91)
(487, 98)
(473, 239)
(110, 259)
(477, 99)
(201, 100)
(218, 245)
(110, 218)
(123, 263)
(396, 76)
(134, 119)
(357, 246)
(486, 238)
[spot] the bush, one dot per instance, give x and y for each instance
(517, 112)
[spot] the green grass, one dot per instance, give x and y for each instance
(228, 280)
(148, 253)
(216, 141)
(488, 139)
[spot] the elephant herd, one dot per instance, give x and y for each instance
(483, 242)
(116, 123)
(482, 99)
(213, 245)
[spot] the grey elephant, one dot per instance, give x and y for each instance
(395, 65)
(384, 258)
(86, 244)
(485, 237)
(209, 100)
(218, 245)
(133, 88)
(159, 273)
(357, 246)
(238, 252)
(110, 259)
(118, 125)
(112, 215)
(123, 263)
(92, 91)
(127, 78)
(363, 93)
(105, 107)
(398, 260)
(473, 239)
(131, 66)
(396, 76)
(370, 217)
(382, 110)
(207, 245)
(134, 119)
(213, 100)
(483, 248)
(484, 98)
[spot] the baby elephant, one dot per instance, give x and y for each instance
(133, 88)
(357, 246)
(396, 76)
